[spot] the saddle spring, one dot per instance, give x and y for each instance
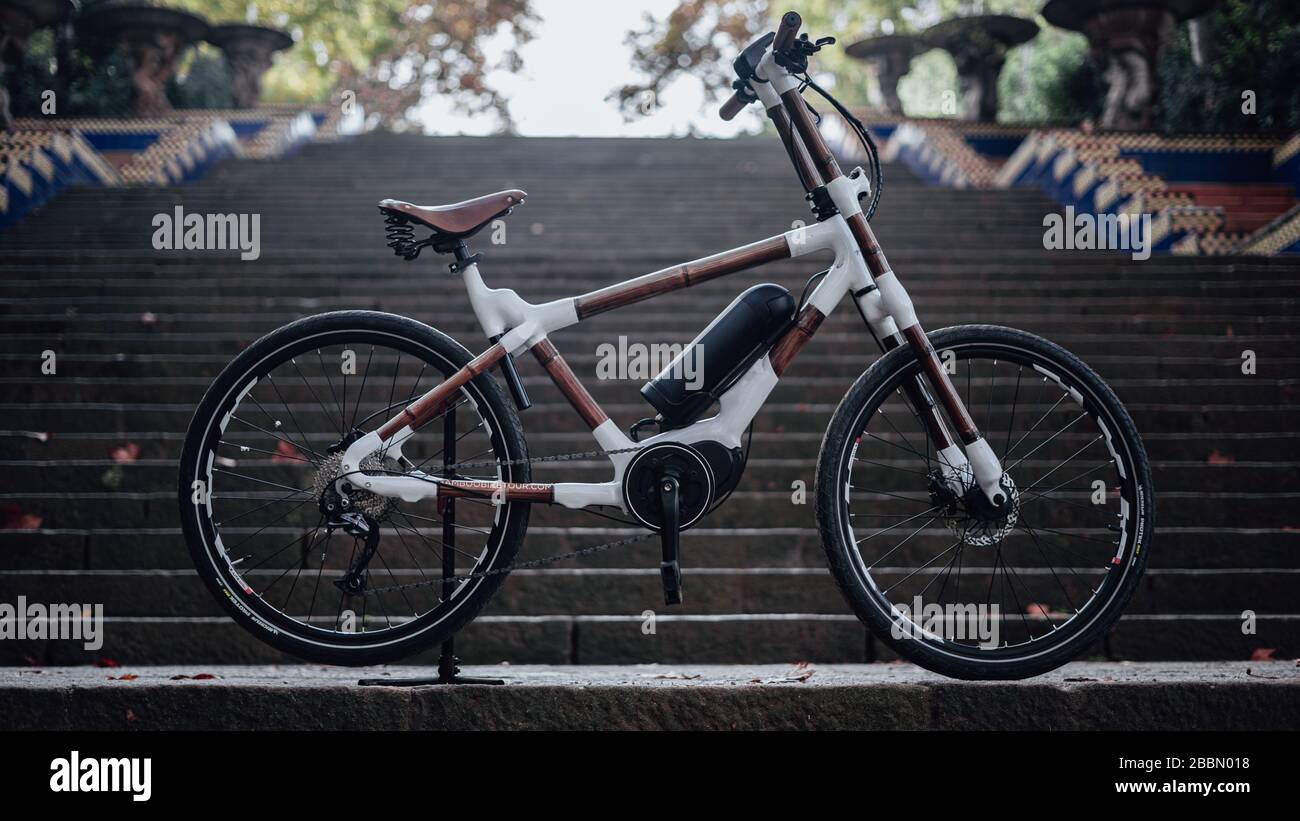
(401, 236)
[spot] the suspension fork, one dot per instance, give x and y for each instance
(885, 297)
(897, 305)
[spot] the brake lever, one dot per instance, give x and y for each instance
(796, 57)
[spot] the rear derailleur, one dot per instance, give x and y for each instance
(355, 524)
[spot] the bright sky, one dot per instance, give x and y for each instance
(577, 58)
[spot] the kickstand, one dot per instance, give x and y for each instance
(448, 671)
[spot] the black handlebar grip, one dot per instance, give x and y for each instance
(787, 31)
(733, 106)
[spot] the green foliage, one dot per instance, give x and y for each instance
(205, 83)
(390, 53)
(99, 88)
(1051, 79)
(29, 79)
(1255, 47)
(930, 88)
(694, 40)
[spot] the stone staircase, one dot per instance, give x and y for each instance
(87, 502)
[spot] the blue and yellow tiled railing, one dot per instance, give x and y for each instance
(41, 157)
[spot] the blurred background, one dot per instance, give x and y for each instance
(992, 118)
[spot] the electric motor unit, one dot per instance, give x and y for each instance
(720, 354)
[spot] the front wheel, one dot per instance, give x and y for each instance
(947, 582)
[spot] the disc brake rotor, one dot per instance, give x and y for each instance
(979, 527)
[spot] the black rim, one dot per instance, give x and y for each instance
(267, 536)
(993, 586)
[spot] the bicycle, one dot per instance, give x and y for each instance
(923, 517)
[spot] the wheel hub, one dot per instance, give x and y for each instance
(971, 516)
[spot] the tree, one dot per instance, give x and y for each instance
(1253, 46)
(700, 36)
(389, 53)
(392, 54)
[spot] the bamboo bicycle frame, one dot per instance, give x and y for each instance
(860, 269)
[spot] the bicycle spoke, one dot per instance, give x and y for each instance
(292, 418)
(343, 421)
(304, 448)
(1036, 424)
(259, 510)
(356, 407)
(1025, 571)
(898, 524)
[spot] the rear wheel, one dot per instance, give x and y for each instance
(941, 577)
(261, 457)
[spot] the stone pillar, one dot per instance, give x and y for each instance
(154, 38)
(248, 50)
(890, 56)
(979, 46)
(1125, 38)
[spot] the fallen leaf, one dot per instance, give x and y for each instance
(12, 517)
(125, 454)
(1263, 654)
(285, 452)
(1217, 458)
(124, 677)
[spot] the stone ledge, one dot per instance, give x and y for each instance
(1080, 696)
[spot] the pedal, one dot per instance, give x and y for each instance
(671, 574)
(670, 570)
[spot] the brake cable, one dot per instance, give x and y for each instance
(864, 136)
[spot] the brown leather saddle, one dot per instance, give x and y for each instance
(459, 219)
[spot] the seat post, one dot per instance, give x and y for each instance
(464, 258)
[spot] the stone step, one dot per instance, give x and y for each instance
(795, 544)
(94, 449)
(738, 638)
(74, 417)
(710, 591)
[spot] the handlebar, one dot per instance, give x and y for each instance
(783, 40)
(787, 31)
(733, 106)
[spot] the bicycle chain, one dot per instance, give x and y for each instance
(559, 457)
(586, 551)
(545, 560)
